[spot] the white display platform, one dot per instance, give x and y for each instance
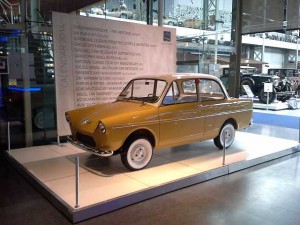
(106, 185)
(272, 106)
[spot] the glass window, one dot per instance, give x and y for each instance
(143, 90)
(117, 9)
(210, 90)
(171, 95)
(189, 87)
(189, 92)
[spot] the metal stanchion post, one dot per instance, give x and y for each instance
(224, 146)
(58, 140)
(8, 136)
(268, 100)
(299, 129)
(77, 182)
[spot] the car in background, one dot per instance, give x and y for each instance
(169, 21)
(155, 112)
(282, 88)
(192, 23)
(119, 13)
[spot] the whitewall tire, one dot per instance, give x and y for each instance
(229, 132)
(138, 154)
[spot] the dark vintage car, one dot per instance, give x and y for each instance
(155, 112)
(282, 88)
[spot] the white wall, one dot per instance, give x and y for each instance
(275, 57)
(95, 58)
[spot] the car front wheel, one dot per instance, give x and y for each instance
(137, 155)
(229, 132)
(263, 96)
(124, 16)
(246, 81)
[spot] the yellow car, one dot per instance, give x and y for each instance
(156, 112)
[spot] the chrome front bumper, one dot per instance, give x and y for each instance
(87, 148)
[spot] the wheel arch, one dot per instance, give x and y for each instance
(232, 121)
(249, 79)
(140, 133)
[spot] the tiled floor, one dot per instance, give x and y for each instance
(266, 194)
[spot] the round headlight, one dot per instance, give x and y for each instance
(68, 119)
(101, 127)
(276, 82)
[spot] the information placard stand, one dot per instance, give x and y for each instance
(268, 87)
(248, 91)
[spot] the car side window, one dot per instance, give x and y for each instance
(210, 90)
(189, 91)
(172, 94)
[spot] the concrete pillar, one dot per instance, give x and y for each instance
(235, 57)
(26, 80)
(160, 12)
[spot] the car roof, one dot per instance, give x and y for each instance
(176, 76)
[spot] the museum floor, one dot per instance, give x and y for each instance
(266, 194)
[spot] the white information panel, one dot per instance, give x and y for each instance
(268, 87)
(248, 91)
(95, 58)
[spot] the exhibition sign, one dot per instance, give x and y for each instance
(95, 58)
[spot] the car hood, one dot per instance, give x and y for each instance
(118, 112)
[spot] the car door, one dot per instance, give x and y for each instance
(214, 105)
(180, 121)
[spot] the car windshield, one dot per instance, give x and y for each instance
(145, 90)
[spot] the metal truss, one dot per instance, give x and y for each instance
(8, 12)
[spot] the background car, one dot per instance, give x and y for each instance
(120, 13)
(192, 23)
(282, 88)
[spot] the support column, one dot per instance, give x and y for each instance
(26, 79)
(160, 12)
(205, 15)
(216, 36)
(297, 52)
(149, 12)
(34, 6)
(235, 57)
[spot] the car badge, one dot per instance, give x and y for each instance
(85, 122)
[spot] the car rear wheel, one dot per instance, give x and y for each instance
(124, 16)
(138, 154)
(229, 132)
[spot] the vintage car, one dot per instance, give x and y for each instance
(169, 21)
(119, 12)
(192, 23)
(156, 112)
(282, 88)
